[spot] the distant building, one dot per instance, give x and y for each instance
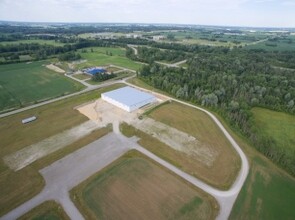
(159, 37)
(128, 98)
(135, 36)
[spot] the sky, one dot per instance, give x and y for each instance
(254, 13)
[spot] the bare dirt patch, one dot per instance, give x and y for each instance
(178, 140)
(55, 68)
(29, 154)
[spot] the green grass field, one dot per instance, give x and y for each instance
(24, 84)
(276, 125)
(99, 57)
(39, 41)
(196, 123)
(17, 187)
(49, 210)
(267, 194)
(133, 187)
(264, 191)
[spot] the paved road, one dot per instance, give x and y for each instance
(89, 88)
(68, 172)
(173, 64)
(227, 198)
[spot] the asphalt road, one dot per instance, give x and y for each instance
(226, 199)
(66, 173)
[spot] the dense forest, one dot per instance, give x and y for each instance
(231, 82)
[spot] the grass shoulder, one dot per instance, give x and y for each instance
(47, 210)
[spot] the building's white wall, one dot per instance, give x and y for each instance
(125, 107)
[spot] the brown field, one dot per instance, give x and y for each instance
(133, 187)
(18, 187)
(224, 169)
(49, 210)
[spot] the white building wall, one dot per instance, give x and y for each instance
(125, 107)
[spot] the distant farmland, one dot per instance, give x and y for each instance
(23, 84)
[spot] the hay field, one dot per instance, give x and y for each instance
(135, 188)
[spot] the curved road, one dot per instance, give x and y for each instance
(226, 199)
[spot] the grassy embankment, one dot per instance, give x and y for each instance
(49, 210)
(134, 187)
(264, 182)
(17, 187)
(25, 84)
(268, 192)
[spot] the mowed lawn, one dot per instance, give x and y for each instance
(102, 56)
(199, 125)
(17, 187)
(24, 84)
(266, 194)
(49, 210)
(133, 187)
(276, 125)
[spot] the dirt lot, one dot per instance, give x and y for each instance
(135, 188)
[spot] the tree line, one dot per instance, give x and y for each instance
(231, 83)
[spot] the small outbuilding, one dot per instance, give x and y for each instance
(128, 98)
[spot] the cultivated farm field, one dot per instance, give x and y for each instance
(210, 141)
(49, 210)
(104, 56)
(133, 187)
(28, 83)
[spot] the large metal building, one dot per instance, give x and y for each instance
(128, 98)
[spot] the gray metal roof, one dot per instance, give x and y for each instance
(128, 95)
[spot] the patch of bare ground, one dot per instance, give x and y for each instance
(55, 68)
(225, 167)
(29, 154)
(135, 188)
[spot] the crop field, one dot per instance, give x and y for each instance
(49, 210)
(133, 187)
(103, 56)
(24, 84)
(266, 194)
(37, 41)
(225, 167)
(277, 125)
(17, 187)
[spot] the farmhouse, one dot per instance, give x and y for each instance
(128, 99)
